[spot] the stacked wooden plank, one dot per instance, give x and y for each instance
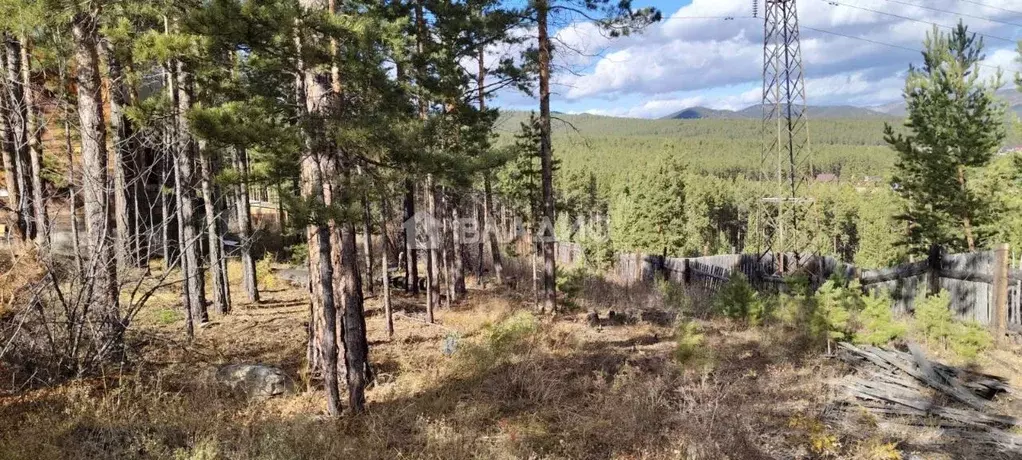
(907, 386)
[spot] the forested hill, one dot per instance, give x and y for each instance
(611, 147)
(755, 112)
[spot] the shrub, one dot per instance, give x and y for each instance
(970, 338)
(673, 295)
(934, 320)
(688, 339)
(738, 300)
(933, 317)
(835, 306)
(169, 316)
(877, 325)
(597, 252)
(512, 333)
(264, 272)
(570, 284)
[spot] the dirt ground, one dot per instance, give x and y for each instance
(490, 380)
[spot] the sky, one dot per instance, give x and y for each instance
(694, 57)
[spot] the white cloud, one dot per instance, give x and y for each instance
(692, 56)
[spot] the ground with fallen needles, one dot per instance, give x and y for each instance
(491, 380)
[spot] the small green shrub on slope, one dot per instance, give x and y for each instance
(877, 325)
(739, 300)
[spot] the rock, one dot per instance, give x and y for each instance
(620, 318)
(297, 277)
(657, 317)
(254, 380)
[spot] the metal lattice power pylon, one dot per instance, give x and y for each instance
(786, 165)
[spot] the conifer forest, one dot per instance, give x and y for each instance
(283, 229)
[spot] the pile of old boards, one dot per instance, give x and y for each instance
(908, 388)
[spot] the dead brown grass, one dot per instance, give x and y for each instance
(516, 386)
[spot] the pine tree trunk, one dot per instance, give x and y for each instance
(491, 229)
(124, 162)
(546, 160)
(966, 221)
(411, 256)
(458, 261)
(167, 210)
(385, 267)
(445, 250)
(33, 129)
(190, 236)
(248, 267)
(481, 246)
(96, 185)
(356, 345)
(213, 206)
(19, 140)
(8, 151)
(432, 261)
(72, 199)
(367, 243)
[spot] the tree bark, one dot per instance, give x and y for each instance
(8, 151)
(124, 162)
(17, 124)
(966, 221)
(190, 236)
(367, 243)
(96, 185)
(546, 159)
(33, 130)
(411, 256)
(490, 230)
(248, 267)
(431, 251)
(385, 267)
(214, 209)
(458, 262)
(72, 199)
(356, 345)
(311, 95)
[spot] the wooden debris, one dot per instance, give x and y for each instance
(908, 386)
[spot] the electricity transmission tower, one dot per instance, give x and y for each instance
(786, 154)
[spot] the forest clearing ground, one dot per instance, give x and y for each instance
(489, 381)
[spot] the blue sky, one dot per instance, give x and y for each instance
(853, 54)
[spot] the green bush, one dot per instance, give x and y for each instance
(739, 300)
(877, 325)
(597, 252)
(673, 295)
(934, 320)
(835, 307)
(570, 284)
(969, 339)
(512, 333)
(688, 339)
(933, 317)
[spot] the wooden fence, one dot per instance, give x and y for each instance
(984, 286)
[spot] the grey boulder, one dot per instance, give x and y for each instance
(254, 380)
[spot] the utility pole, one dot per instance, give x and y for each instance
(786, 156)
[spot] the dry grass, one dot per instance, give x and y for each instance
(515, 386)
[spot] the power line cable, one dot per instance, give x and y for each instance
(907, 18)
(991, 6)
(877, 42)
(956, 13)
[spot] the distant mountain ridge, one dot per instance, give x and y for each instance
(756, 111)
(1010, 95)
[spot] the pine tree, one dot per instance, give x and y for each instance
(619, 19)
(955, 126)
(102, 269)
